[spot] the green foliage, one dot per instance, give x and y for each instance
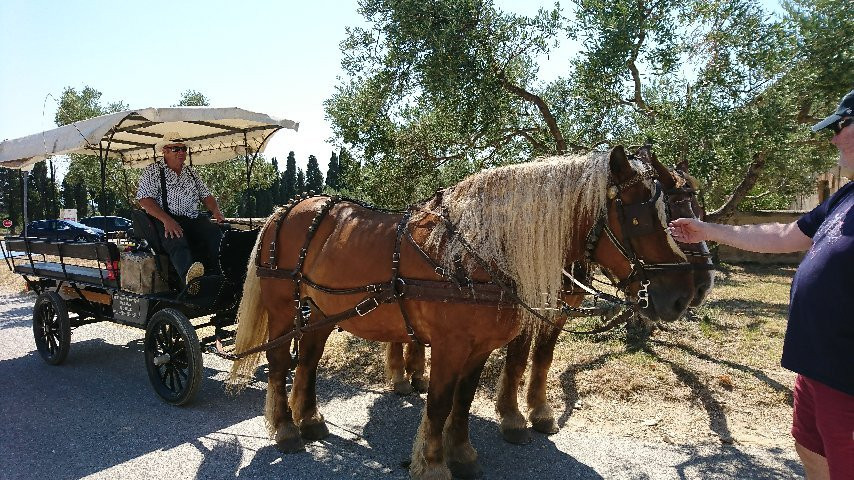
(434, 91)
(10, 196)
(192, 98)
(289, 178)
(300, 183)
(227, 182)
(313, 176)
(332, 172)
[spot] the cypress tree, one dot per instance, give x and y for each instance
(332, 172)
(300, 185)
(289, 179)
(313, 176)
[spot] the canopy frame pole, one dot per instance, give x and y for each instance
(24, 177)
(249, 165)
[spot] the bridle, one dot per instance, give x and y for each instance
(675, 198)
(636, 220)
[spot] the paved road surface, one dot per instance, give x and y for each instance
(97, 416)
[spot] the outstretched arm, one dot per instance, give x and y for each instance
(762, 238)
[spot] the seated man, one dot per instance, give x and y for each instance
(170, 192)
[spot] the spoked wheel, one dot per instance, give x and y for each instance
(51, 328)
(173, 356)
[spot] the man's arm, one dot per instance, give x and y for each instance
(171, 228)
(210, 202)
(762, 238)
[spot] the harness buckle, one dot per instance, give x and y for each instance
(364, 304)
(643, 294)
(440, 271)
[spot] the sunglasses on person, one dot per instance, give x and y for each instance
(838, 126)
(176, 149)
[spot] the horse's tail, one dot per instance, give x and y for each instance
(251, 323)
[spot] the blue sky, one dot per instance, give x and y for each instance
(277, 57)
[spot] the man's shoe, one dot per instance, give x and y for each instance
(195, 271)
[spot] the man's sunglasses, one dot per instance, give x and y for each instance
(176, 149)
(838, 126)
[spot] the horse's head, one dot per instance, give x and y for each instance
(633, 246)
(680, 197)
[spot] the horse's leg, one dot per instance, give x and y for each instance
(460, 455)
(540, 414)
(278, 412)
(416, 365)
(514, 428)
(312, 425)
(428, 463)
(394, 369)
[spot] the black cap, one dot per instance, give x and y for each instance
(846, 109)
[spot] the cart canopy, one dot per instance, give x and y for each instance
(213, 135)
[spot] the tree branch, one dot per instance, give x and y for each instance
(560, 143)
(740, 192)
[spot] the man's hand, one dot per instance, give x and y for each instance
(218, 217)
(687, 230)
(172, 229)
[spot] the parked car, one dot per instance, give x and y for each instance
(109, 224)
(65, 230)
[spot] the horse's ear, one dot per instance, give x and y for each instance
(663, 174)
(682, 166)
(619, 162)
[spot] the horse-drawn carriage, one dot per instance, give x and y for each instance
(464, 271)
(134, 284)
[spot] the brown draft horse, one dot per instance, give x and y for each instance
(408, 372)
(517, 225)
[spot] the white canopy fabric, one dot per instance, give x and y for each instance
(213, 135)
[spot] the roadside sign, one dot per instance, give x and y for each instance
(7, 223)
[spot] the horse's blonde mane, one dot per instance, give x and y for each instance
(522, 218)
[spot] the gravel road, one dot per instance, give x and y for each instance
(96, 416)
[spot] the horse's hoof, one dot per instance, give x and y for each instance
(402, 387)
(465, 470)
(290, 445)
(313, 431)
(545, 425)
(420, 384)
(516, 436)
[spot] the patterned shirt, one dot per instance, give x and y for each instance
(183, 192)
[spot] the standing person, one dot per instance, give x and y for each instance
(819, 343)
(170, 192)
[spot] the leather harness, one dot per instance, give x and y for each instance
(456, 288)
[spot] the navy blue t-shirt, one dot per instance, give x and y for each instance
(820, 335)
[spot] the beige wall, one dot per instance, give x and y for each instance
(734, 255)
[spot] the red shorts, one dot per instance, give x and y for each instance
(823, 422)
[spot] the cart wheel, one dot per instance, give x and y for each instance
(173, 356)
(51, 328)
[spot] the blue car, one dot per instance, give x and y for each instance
(109, 224)
(65, 230)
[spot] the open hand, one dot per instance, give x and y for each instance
(172, 229)
(687, 230)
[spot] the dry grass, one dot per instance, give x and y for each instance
(713, 377)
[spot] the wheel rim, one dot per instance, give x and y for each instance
(49, 334)
(170, 347)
